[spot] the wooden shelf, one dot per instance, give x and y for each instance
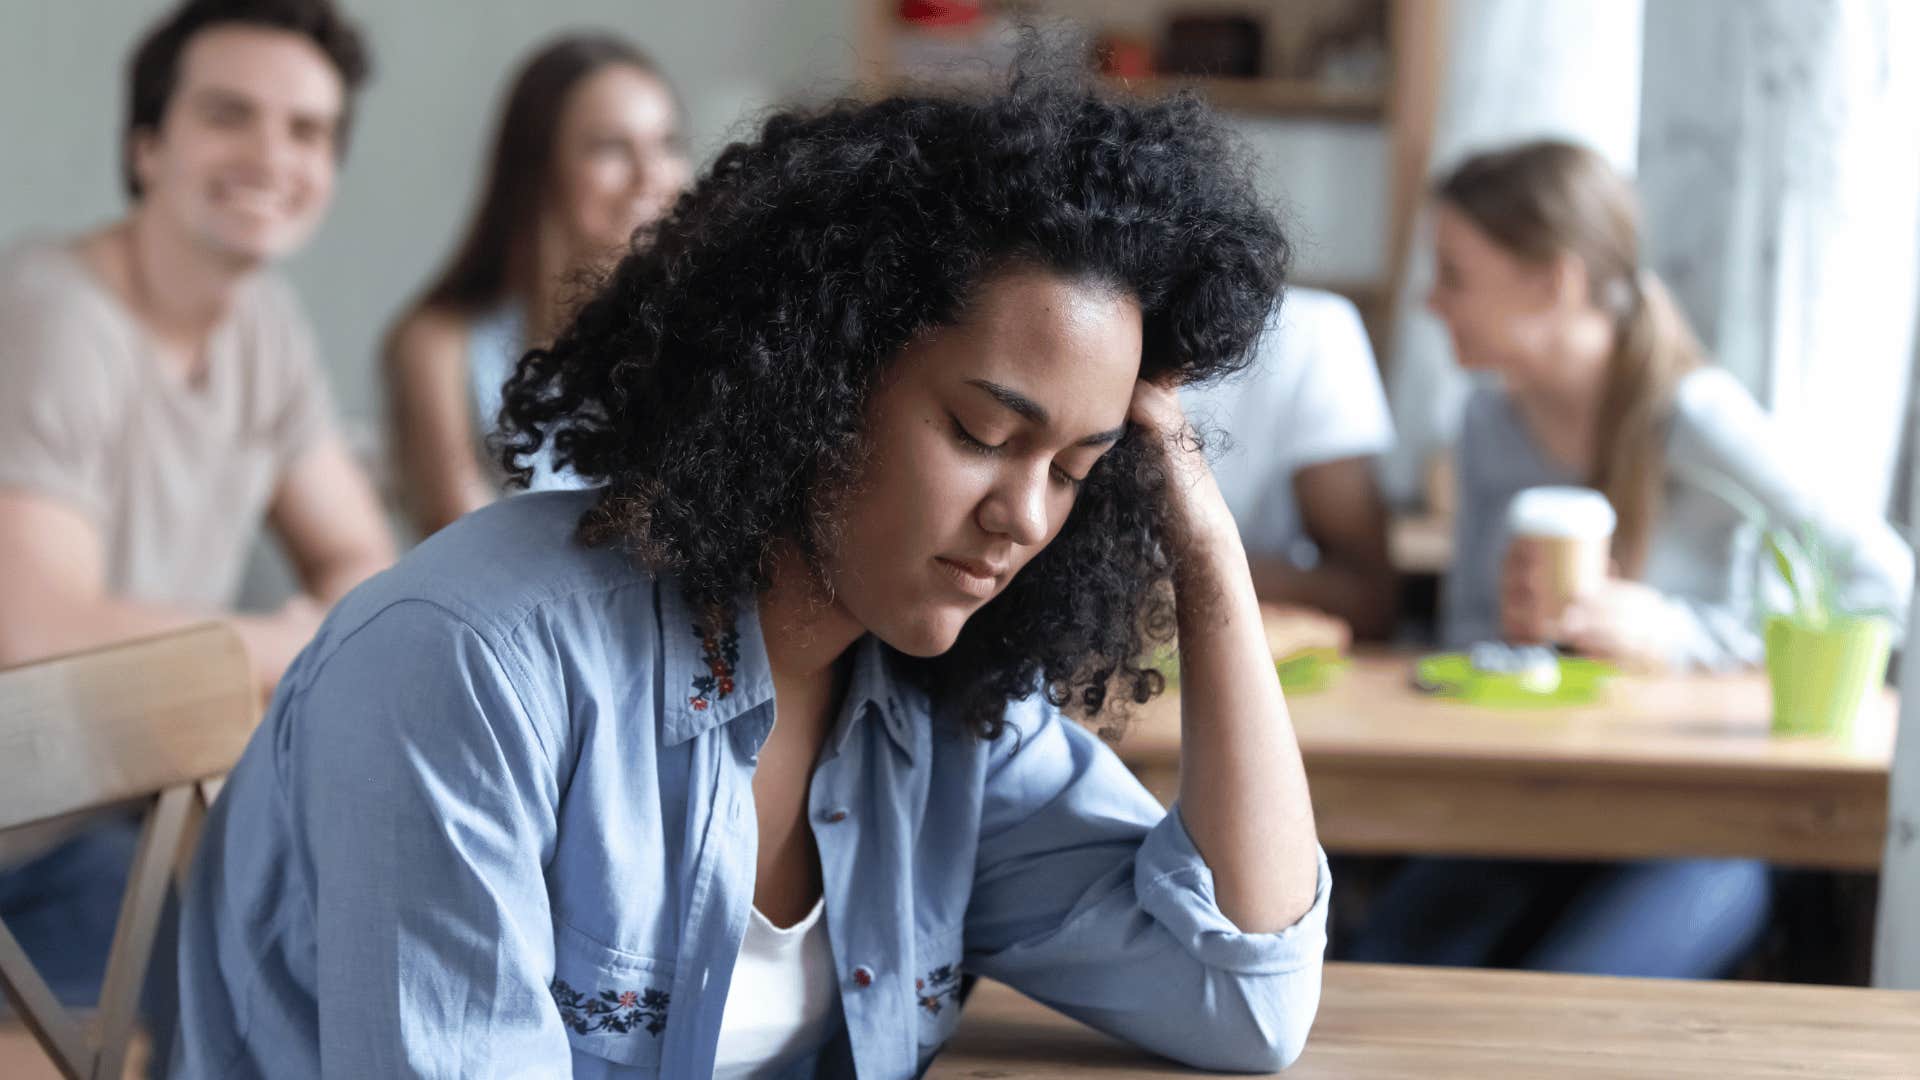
(1271, 97)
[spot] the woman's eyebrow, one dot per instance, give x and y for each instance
(1028, 409)
(1036, 413)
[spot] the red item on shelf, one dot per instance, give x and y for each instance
(1124, 56)
(940, 12)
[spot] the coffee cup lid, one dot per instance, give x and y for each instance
(1572, 512)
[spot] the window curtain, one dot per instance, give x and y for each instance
(1780, 177)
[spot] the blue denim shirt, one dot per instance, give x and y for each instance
(499, 821)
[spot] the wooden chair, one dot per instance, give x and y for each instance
(152, 721)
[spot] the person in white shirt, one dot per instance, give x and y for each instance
(1294, 443)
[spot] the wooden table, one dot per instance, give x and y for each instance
(1404, 1023)
(1665, 767)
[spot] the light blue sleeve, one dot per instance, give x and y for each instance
(425, 802)
(1090, 898)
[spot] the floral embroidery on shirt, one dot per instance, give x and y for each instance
(941, 982)
(722, 652)
(618, 1011)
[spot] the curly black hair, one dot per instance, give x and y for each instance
(718, 380)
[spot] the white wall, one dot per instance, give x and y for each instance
(1330, 183)
(419, 140)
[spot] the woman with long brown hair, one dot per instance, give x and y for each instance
(1598, 382)
(589, 151)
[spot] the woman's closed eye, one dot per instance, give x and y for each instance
(980, 446)
(973, 443)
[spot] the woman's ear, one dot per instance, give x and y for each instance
(1567, 281)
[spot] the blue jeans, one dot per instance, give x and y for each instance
(1677, 919)
(63, 907)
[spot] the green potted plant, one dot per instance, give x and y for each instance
(1823, 660)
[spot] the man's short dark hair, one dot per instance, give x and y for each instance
(153, 73)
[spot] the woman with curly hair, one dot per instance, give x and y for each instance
(735, 764)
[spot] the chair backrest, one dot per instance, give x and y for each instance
(153, 721)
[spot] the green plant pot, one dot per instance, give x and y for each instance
(1821, 676)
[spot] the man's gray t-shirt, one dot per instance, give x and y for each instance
(176, 476)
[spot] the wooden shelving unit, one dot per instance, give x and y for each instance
(1403, 107)
(1284, 98)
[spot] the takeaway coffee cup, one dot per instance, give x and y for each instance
(1571, 532)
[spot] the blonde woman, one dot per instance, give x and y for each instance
(1599, 382)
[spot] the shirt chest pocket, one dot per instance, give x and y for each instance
(615, 1005)
(936, 988)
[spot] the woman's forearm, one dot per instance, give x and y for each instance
(1243, 790)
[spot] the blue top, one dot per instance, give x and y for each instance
(495, 343)
(499, 821)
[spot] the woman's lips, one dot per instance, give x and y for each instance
(976, 579)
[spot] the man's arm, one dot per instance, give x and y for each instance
(54, 598)
(1345, 515)
(328, 517)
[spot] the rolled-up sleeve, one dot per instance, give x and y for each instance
(1090, 898)
(1176, 888)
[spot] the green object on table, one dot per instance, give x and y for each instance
(1309, 670)
(1304, 672)
(1453, 676)
(1821, 674)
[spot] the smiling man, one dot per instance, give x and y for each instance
(162, 398)
(163, 395)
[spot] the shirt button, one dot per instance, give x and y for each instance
(834, 816)
(863, 976)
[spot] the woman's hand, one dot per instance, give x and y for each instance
(1623, 621)
(1156, 409)
(1199, 512)
(1619, 620)
(1529, 608)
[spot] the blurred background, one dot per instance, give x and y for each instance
(1774, 142)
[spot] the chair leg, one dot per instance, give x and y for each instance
(52, 1026)
(160, 839)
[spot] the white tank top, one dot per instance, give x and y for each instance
(784, 1001)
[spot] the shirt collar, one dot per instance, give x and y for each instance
(873, 686)
(713, 676)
